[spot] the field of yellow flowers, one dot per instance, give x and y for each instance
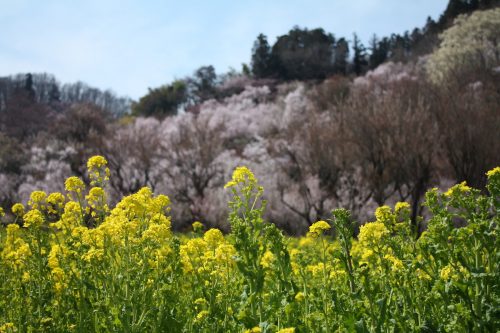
(71, 263)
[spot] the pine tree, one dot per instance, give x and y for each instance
(341, 55)
(28, 86)
(54, 93)
(261, 57)
(304, 54)
(359, 60)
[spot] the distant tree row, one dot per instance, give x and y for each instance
(457, 7)
(304, 54)
(33, 104)
(45, 89)
(188, 93)
(301, 54)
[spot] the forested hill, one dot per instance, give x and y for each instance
(304, 55)
(323, 120)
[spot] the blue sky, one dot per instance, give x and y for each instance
(129, 46)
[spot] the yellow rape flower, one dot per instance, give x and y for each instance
(74, 184)
(317, 229)
(305, 242)
(58, 287)
(337, 273)
(256, 329)
(93, 254)
(16, 250)
(225, 253)
(299, 297)
(450, 273)
(56, 202)
(200, 302)
(96, 162)
(422, 275)
(97, 169)
(366, 255)
(401, 206)
(383, 213)
(241, 175)
(26, 277)
(458, 189)
(33, 218)
(36, 199)
(71, 217)
(53, 260)
(493, 172)
(192, 253)
(7, 328)
(12, 231)
(267, 259)
(446, 272)
(162, 253)
(57, 273)
(97, 198)
(197, 226)
(201, 315)
(494, 181)
(397, 265)
(17, 255)
(287, 330)
(157, 233)
(213, 237)
(56, 198)
(318, 269)
(160, 203)
(371, 233)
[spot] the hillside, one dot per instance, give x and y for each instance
(343, 135)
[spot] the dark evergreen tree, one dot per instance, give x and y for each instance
(457, 7)
(245, 69)
(28, 86)
(359, 61)
(399, 47)
(379, 51)
(261, 57)
(341, 56)
(431, 26)
(303, 54)
(54, 93)
(203, 85)
(416, 36)
(162, 101)
(486, 4)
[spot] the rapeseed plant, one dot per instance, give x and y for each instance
(71, 262)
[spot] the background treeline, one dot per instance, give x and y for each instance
(323, 122)
(304, 54)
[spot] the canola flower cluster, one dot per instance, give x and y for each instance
(70, 262)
